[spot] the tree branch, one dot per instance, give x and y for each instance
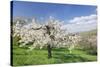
(37, 28)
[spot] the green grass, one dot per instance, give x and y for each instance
(36, 57)
(21, 56)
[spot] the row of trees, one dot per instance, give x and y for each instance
(49, 34)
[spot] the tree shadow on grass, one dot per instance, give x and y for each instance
(65, 57)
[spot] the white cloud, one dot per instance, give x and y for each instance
(84, 19)
(83, 23)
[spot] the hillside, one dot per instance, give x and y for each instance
(89, 41)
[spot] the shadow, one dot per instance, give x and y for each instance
(64, 57)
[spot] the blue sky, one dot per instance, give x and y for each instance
(44, 10)
(77, 18)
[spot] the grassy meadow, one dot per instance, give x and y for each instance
(21, 56)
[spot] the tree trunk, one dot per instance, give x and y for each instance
(49, 51)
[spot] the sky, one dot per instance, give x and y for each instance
(82, 17)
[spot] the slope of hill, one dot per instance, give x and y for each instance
(89, 41)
